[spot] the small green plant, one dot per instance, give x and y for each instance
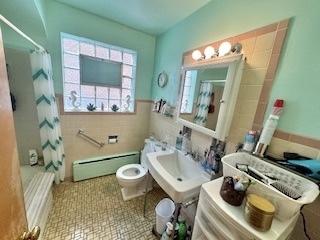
(91, 107)
(114, 108)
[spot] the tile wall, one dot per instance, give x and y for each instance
(131, 129)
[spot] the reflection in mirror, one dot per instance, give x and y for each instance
(202, 94)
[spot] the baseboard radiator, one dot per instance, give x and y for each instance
(101, 166)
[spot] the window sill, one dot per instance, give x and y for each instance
(62, 112)
(59, 97)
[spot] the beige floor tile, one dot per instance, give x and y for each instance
(94, 209)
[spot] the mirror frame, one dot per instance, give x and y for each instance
(234, 63)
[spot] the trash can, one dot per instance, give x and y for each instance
(164, 211)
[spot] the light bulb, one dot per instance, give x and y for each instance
(224, 48)
(209, 52)
(196, 55)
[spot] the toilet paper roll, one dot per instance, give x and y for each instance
(113, 141)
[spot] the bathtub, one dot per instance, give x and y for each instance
(27, 172)
(37, 188)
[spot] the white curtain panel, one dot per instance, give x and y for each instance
(203, 103)
(49, 124)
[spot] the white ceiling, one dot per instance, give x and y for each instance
(150, 16)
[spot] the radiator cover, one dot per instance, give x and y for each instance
(101, 166)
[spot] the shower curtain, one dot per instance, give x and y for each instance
(49, 124)
(203, 103)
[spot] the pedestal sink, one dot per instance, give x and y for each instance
(177, 174)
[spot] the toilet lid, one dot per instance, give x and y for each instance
(131, 171)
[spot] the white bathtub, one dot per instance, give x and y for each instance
(37, 188)
(27, 172)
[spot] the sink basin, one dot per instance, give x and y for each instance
(177, 174)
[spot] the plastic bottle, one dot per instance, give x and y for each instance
(182, 232)
(189, 233)
(179, 141)
(249, 141)
(269, 128)
(166, 234)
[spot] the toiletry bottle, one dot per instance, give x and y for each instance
(189, 233)
(182, 232)
(163, 108)
(179, 141)
(269, 128)
(186, 143)
(33, 157)
(166, 234)
(249, 141)
(204, 162)
(210, 159)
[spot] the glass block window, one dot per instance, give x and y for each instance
(77, 96)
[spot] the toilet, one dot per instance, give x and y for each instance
(131, 176)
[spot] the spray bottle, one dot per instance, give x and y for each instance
(269, 128)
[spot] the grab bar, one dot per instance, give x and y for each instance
(90, 139)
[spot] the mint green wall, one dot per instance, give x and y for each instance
(27, 17)
(61, 18)
(297, 80)
(12, 40)
(56, 17)
(41, 5)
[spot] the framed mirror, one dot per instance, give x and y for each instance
(208, 94)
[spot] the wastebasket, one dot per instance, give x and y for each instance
(164, 211)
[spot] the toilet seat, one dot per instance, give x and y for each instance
(131, 172)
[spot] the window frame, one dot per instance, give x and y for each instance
(189, 92)
(109, 48)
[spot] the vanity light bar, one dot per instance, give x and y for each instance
(224, 49)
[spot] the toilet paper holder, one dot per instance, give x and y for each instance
(112, 139)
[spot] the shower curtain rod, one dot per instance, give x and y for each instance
(17, 30)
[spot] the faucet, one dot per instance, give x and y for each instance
(164, 145)
(195, 155)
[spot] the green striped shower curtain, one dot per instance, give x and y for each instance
(203, 103)
(49, 124)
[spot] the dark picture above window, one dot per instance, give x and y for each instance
(100, 72)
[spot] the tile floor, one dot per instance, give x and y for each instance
(94, 209)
